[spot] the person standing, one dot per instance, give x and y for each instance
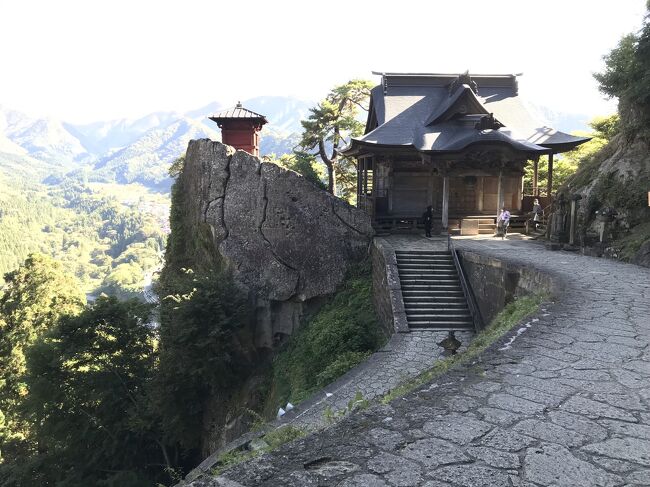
(427, 219)
(538, 213)
(503, 220)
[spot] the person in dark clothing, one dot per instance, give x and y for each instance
(427, 218)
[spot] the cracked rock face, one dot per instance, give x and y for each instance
(283, 238)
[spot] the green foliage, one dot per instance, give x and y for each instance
(342, 334)
(328, 127)
(627, 77)
(87, 379)
(177, 167)
(200, 354)
(302, 163)
(514, 313)
(86, 228)
(35, 297)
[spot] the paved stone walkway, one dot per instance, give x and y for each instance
(567, 403)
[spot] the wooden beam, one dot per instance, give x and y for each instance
(479, 194)
(536, 177)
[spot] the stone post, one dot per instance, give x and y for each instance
(574, 218)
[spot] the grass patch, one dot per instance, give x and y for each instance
(509, 316)
(340, 336)
(273, 439)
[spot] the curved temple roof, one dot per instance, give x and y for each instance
(441, 113)
(238, 112)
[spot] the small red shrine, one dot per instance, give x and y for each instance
(240, 128)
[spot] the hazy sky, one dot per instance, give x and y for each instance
(94, 59)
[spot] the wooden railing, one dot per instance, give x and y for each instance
(474, 310)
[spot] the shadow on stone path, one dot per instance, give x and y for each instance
(567, 404)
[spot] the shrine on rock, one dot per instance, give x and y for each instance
(240, 128)
(458, 143)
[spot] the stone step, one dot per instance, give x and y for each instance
(421, 280)
(460, 304)
(442, 326)
(426, 270)
(420, 287)
(423, 257)
(442, 301)
(422, 252)
(434, 315)
(447, 262)
(432, 299)
(453, 312)
(433, 289)
(438, 278)
(427, 296)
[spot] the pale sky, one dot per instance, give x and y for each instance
(91, 60)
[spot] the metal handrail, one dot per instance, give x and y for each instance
(474, 310)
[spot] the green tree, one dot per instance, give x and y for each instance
(88, 379)
(202, 352)
(301, 162)
(328, 126)
(35, 297)
(627, 77)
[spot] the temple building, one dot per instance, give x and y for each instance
(458, 143)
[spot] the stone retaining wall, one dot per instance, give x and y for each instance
(386, 288)
(497, 283)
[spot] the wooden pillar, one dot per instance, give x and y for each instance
(549, 188)
(373, 195)
(445, 202)
(536, 177)
(479, 194)
(390, 186)
(359, 180)
(520, 192)
(500, 192)
(431, 191)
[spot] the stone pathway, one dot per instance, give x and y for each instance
(567, 403)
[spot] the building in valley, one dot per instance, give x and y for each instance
(459, 143)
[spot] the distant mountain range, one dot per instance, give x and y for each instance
(141, 150)
(125, 151)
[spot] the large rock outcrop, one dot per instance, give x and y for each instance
(285, 240)
(287, 243)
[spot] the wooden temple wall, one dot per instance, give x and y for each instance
(407, 192)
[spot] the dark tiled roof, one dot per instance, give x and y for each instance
(238, 111)
(419, 111)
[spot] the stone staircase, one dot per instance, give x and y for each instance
(431, 290)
